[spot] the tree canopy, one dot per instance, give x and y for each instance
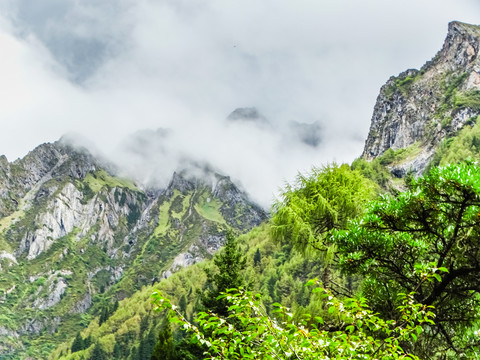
(432, 227)
(226, 274)
(249, 332)
(318, 202)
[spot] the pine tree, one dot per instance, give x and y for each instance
(164, 348)
(115, 306)
(257, 258)
(78, 343)
(183, 303)
(98, 353)
(87, 342)
(229, 263)
(149, 344)
(104, 315)
(117, 351)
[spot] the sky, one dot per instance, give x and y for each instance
(151, 84)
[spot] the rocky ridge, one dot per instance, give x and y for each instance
(421, 108)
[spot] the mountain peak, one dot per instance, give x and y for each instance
(249, 114)
(461, 45)
(458, 27)
(418, 109)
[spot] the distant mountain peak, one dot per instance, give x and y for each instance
(250, 114)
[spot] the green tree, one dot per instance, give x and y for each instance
(183, 303)
(87, 342)
(98, 353)
(324, 200)
(104, 314)
(432, 227)
(164, 348)
(78, 343)
(117, 351)
(318, 203)
(257, 258)
(227, 274)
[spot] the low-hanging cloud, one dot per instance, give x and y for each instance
(108, 69)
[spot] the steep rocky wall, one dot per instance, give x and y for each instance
(427, 105)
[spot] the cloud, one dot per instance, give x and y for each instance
(108, 69)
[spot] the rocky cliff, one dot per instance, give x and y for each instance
(418, 109)
(74, 236)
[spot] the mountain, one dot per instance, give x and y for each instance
(422, 117)
(75, 236)
(419, 109)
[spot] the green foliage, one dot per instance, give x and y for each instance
(388, 157)
(229, 264)
(249, 332)
(404, 84)
(101, 179)
(433, 227)
(453, 85)
(164, 348)
(466, 145)
(133, 215)
(209, 208)
(372, 170)
(398, 156)
(257, 258)
(324, 200)
(446, 122)
(98, 353)
(280, 277)
(78, 343)
(469, 99)
(106, 311)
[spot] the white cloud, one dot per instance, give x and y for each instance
(186, 65)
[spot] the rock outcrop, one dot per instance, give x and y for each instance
(425, 106)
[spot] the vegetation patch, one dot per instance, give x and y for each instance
(469, 99)
(466, 145)
(100, 179)
(163, 219)
(180, 204)
(404, 84)
(395, 157)
(209, 208)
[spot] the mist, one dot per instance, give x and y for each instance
(117, 71)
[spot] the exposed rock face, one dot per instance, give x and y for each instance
(424, 106)
(83, 305)
(56, 290)
(66, 211)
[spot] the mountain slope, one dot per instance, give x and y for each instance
(279, 274)
(74, 237)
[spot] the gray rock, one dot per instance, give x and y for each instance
(83, 305)
(414, 108)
